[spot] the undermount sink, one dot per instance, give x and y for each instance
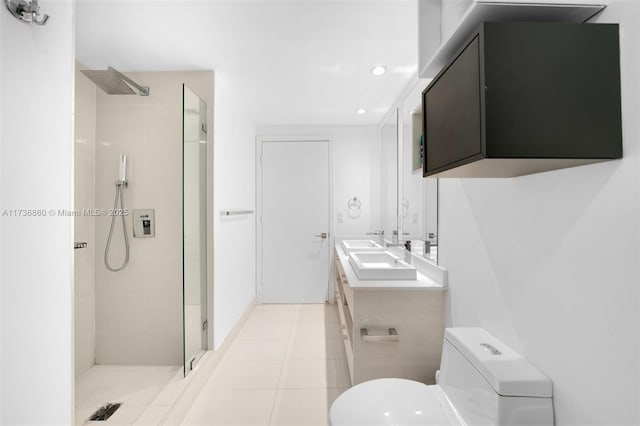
(381, 266)
(361, 246)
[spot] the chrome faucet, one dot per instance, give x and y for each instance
(400, 247)
(380, 235)
(395, 241)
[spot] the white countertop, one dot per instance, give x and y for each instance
(423, 283)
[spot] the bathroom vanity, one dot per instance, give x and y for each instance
(391, 328)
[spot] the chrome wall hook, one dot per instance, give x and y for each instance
(27, 12)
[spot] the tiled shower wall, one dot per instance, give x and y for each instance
(138, 311)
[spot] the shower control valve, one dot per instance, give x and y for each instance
(144, 223)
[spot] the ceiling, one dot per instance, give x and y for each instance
(294, 62)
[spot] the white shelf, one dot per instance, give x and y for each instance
(483, 11)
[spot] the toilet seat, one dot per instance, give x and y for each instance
(384, 402)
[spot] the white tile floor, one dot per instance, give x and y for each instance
(134, 386)
(286, 367)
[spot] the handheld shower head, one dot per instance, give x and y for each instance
(122, 169)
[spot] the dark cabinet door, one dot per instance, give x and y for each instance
(550, 90)
(452, 112)
(529, 92)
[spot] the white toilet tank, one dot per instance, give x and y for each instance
(490, 384)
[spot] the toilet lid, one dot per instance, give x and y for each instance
(385, 402)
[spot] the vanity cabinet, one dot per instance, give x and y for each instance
(390, 328)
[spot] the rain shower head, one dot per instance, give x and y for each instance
(113, 82)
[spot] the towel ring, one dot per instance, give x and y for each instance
(354, 207)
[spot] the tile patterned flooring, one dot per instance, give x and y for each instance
(285, 367)
(134, 386)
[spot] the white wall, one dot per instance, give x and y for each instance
(354, 153)
(234, 188)
(84, 225)
(450, 13)
(549, 263)
(36, 173)
(2, 50)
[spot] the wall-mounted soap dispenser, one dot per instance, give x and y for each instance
(144, 223)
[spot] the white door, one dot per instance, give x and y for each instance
(295, 222)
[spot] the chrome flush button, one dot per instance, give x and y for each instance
(492, 350)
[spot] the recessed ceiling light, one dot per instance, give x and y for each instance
(378, 70)
(361, 111)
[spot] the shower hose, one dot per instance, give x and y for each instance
(119, 196)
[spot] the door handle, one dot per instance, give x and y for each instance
(323, 235)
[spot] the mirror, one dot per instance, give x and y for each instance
(389, 176)
(418, 208)
(411, 209)
(194, 223)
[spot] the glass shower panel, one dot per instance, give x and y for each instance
(194, 214)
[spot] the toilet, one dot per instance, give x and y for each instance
(481, 382)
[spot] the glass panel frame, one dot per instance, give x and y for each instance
(194, 228)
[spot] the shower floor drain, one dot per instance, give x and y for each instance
(104, 412)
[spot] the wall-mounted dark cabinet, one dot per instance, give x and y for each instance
(525, 97)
